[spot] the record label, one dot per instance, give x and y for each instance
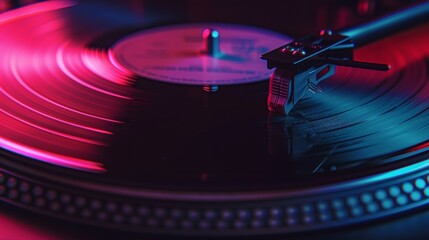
(174, 54)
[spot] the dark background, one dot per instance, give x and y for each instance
(294, 18)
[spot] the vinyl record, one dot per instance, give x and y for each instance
(143, 137)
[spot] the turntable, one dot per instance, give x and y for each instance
(148, 121)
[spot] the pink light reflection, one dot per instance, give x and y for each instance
(79, 139)
(52, 117)
(14, 228)
(101, 64)
(61, 64)
(28, 88)
(52, 158)
(54, 108)
(36, 8)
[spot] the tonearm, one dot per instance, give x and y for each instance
(303, 63)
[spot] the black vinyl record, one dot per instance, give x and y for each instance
(87, 138)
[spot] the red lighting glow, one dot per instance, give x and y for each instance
(363, 7)
(399, 58)
(419, 147)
